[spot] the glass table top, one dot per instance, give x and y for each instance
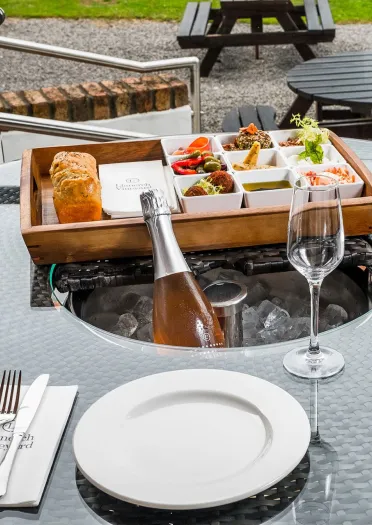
(330, 486)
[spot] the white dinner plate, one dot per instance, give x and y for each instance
(191, 439)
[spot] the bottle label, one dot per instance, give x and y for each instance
(205, 336)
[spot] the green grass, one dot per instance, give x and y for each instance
(344, 11)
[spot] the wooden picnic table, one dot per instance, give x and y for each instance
(205, 27)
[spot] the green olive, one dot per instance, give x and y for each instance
(212, 165)
(210, 158)
(194, 155)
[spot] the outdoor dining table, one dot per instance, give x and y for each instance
(50, 340)
(344, 79)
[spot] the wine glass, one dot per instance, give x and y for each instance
(315, 248)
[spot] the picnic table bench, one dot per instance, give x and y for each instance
(205, 27)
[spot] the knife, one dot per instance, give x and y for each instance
(25, 415)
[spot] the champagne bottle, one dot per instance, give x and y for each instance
(182, 314)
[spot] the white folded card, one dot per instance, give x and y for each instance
(36, 453)
(123, 183)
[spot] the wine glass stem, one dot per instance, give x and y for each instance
(314, 294)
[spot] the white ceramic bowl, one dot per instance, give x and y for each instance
(259, 199)
(282, 135)
(329, 151)
(171, 144)
(272, 157)
(174, 158)
(206, 203)
(227, 138)
(347, 191)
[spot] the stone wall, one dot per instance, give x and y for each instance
(99, 100)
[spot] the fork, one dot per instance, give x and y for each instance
(10, 389)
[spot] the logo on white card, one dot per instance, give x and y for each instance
(6, 437)
(8, 427)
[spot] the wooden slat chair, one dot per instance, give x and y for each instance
(262, 116)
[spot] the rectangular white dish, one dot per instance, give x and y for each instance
(174, 158)
(334, 157)
(228, 138)
(282, 135)
(350, 190)
(272, 157)
(171, 144)
(207, 203)
(258, 199)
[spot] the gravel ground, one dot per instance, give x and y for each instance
(236, 79)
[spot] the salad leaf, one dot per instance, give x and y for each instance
(313, 150)
(310, 129)
(312, 137)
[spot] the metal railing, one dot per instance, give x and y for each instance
(59, 128)
(35, 125)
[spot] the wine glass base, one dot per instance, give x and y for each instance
(298, 364)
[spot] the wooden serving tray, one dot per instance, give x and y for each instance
(50, 242)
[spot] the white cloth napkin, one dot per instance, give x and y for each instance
(122, 184)
(36, 453)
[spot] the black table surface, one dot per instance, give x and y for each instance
(336, 491)
(344, 79)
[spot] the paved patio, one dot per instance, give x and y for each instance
(237, 79)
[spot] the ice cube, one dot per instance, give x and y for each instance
(102, 300)
(251, 319)
(143, 308)
(335, 315)
(287, 330)
(251, 324)
(104, 320)
(264, 309)
(126, 326)
(257, 293)
(112, 300)
(269, 337)
(128, 302)
(299, 327)
(331, 327)
(277, 301)
(297, 306)
(251, 341)
(275, 318)
(145, 333)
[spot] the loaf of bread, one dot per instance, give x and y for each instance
(77, 189)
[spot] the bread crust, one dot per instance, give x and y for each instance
(77, 189)
(67, 159)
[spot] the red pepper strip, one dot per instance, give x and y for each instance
(184, 171)
(186, 167)
(188, 163)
